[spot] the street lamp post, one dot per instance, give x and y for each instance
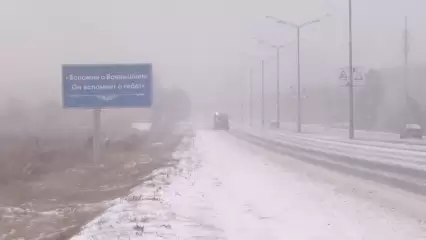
(249, 106)
(278, 89)
(242, 98)
(251, 97)
(242, 111)
(406, 87)
(278, 105)
(297, 27)
(351, 83)
(299, 101)
(263, 92)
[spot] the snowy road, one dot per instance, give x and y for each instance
(224, 188)
(401, 168)
(362, 136)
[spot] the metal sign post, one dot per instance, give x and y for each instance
(97, 135)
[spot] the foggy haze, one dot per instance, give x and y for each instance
(151, 119)
(197, 45)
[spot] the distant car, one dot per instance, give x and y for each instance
(274, 124)
(411, 131)
(220, 121)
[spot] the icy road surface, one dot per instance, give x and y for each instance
(224, 189)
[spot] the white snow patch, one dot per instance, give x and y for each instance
(142, 126)
(222, 191)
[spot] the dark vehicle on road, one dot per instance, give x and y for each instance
(274, 124)
(411, 131)
(220, 121)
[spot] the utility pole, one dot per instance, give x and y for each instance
(351, 84)
(251, 96)
(263, 92)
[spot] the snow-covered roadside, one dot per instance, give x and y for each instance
(144, 212)
(223, 191)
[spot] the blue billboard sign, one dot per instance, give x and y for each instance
(107, 86)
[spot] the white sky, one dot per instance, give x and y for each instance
(198, 44)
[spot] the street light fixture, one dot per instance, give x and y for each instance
(298, 27)
(277, 48)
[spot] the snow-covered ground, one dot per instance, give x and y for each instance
(362, 136)
(143, 126)
(223, 189)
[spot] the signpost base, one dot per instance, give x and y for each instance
(96, 135)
